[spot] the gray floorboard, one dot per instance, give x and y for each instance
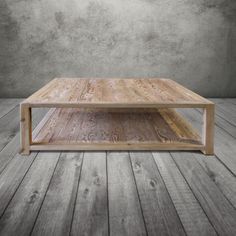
(118, 193)
(7, 105)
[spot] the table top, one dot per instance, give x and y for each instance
(114, 92)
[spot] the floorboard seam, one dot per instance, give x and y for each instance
(76, 195)
(9, 111)
(10, 159)
(18, 186)
(135, 183)
(216, 155)
(168, 194)
(214, 182)
(225, 165)
(218, 125)
(108, 214)
(45, 195)
(194, 194)
(226, 120)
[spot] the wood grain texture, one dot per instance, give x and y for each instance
(226, 110)
(11, 178)
(158, 209)
(231, 100)
(7, 105)
(208, 130)
(218, 209)
(80, 126)
(22, 211)
(90, 212)
(169, 129)
(202, 189)
(125, 215)
(225, 144)
(220, 175)
(9, 126)
(225, 125)
(12, 147)
(114, 92)
(187, 206)
(57, 210)
(26, 129)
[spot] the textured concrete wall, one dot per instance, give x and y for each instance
(192, 41)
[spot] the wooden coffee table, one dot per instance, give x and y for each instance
(115, 114)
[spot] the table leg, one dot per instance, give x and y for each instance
(208, 129)
(26, 129)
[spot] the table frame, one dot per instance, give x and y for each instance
(207, 146)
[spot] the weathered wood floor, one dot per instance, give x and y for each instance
(118, 193)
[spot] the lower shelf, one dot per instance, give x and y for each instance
(114, 129)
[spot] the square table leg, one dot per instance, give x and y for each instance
(26, 129)
(208, 129)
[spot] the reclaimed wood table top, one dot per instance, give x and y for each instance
(113, 92)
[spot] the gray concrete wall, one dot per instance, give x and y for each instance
(191, 41)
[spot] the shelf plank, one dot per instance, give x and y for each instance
(117, 129)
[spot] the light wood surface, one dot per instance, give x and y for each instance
(208, 129)
(201, 189)
(26, 128)
(116, 128)
(95, 129)
(225, 144)
(115, 93)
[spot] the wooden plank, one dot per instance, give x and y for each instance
(41, 122)
(220, 175)
(56, 212)
(225, 144)
(218, 209)
(13, 146)
(179, 125)
(225, 125)
(25, 129)
(9, 126)
(114, 92)
(226, 111)
(208, 129)
(12, 176)
(231, 100)
(53, 125)
(192, 216)
(91, 213)
(22, 211)
(158, 209)
(125, 215)
(115, 130)
(116, 146)
(116, 105)
(6, 105)
(9, 152)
